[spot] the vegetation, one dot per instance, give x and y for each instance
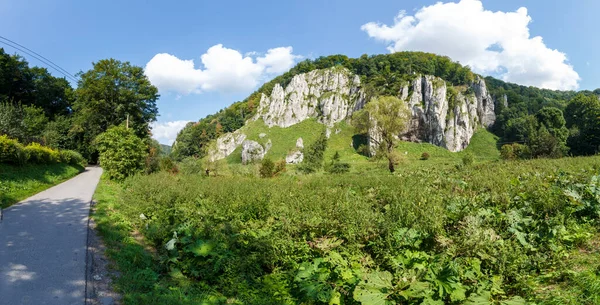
(122, 153)
(314, 155)
(498, 232)
(386, 117)
(36, 107)
(380, 74)
(20, 182)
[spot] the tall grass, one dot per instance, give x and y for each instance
(494, 231)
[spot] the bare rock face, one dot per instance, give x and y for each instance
(443, 115)
(225, 145)
(446, 117)
(254, 151)
(296, 156)
(330, 95)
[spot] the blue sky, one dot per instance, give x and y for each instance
(165, 35)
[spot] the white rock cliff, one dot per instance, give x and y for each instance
(441, 115)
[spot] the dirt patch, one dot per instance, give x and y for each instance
(99, 273)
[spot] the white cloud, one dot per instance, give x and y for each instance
(489, 42)
(224, 70)
(166, 132)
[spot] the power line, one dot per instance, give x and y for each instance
(39, 57)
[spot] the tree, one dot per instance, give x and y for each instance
(383, 119)
(314, 155)
(122, 153)
(110, 93)
(583, 119)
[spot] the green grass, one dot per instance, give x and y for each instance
(19, 182)
(512, 228)
(482, 146)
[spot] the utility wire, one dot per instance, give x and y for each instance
(37, 56)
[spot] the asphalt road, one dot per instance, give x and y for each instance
(43, 244)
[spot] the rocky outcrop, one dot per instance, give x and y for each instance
(225, 145)
(330, 95)
(444, 116)
(254, 151)
(296, 156)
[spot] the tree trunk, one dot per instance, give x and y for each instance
(391, 165)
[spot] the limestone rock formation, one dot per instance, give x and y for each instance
(225, 145)
(330, 95)
(254, 151)
(296, 156)
(444, 116)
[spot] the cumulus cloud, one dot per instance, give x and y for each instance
(490, 42)
(166, 132)
(223, 69)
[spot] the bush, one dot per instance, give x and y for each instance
(267, 168)
(279, 167)
(425, 156)
(191, 166)
(41, 154)
(336, 166)
(11, 151)
(71, 157)
(167, 165)
(468, 159)
(507, 152)
(314, 155)
(122, 153)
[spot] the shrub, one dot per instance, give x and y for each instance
(314, 154)
(468, 159)
(11, 151)
(122, 153)
(167, 165)
(336, 166)
(191, 166)
(71, 157)
(507, 152)
(279, 167)
(41, 154)
(425, 156)
(267, 168)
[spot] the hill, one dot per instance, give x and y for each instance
(449, 104)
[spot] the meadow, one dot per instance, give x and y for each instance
(435, 232)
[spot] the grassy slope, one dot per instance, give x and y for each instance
(20, 182)
(483, 145)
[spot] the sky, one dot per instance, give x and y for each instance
(205, 55)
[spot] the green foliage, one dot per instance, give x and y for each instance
(425, 156)
(71, 157)
(24, 123)
(385, 117)
(168, 165)
(490, 233)
(191, 166)
(11, 151)
(380, 74)
(337, 166)
(106, 95)
(314, 155)
(582, 117)
(266, 168)
(39, 154)
(122, 153)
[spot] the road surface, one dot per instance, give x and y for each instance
(43, 242)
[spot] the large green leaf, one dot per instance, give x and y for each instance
(374, 289)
